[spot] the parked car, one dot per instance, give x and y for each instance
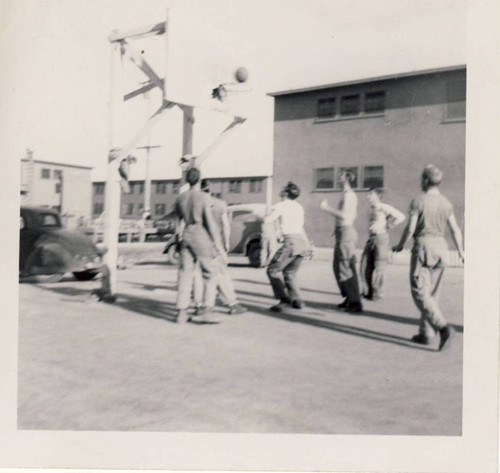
(48, 251)
(246, 233)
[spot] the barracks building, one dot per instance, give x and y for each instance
(385, 129)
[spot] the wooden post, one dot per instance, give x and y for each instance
(113, 190)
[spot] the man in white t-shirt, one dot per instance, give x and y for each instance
(286, 262)
(375, 257)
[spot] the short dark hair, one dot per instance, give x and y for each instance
(350, 176)
(291, 190)
(205, 185)
(432, 174)
(193, 176)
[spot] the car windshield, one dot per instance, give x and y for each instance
(48, 220)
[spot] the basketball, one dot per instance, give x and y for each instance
(241, 74)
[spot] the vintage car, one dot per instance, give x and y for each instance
(47, 251)
(245, 237)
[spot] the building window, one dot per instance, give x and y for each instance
(375, 102)
(326, 107)
(455, 96)
(98, 208)
(176, 186)
(373, 176)
(45, 173)
(99, 188)
(350, 105)
(161, 187)
(140, 208)
(141, 187)
(58, 174)
(235, 186)
(324, 178)
(255, 186)
(130, 209)
(58, 187)
(160, 209)
(354, 170)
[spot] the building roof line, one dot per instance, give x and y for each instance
(56, 164)
(368, 79)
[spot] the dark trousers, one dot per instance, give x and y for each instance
(283, 269)
(345, 265)
(374, 263)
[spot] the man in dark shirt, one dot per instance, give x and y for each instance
(429, 215)
(200, 242)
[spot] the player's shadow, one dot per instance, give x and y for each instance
(337, 327)
(141, 305)
(154, 287)
(327, 306)
(305, 289)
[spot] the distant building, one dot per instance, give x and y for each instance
(64, 187)
(384, 129)
(235, 190)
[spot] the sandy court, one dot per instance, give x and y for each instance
(85, 365)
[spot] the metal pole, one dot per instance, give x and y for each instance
(113, 191)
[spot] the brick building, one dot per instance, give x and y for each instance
(385, 129)
(235, 190)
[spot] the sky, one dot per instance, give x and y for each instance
(54, 82)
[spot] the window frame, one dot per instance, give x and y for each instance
(361, 113)
(45, 173)
(363, 175)
(325, 189)
(237, 183)
(454, 119)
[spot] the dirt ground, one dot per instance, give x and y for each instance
(87, 365)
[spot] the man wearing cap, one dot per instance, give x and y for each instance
(344, 252)
(282, 269)
(200, 242)
(224, 282)
(381, 218)
(428, 216)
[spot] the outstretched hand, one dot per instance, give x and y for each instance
(324, 204)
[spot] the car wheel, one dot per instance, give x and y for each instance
(253, 253)
(33, 267)
(86, 275)
(173, 256)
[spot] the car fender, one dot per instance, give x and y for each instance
(50, 255)
(256, 236)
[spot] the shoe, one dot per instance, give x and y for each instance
(343, 305)
(298, 304)
(199, 310)
(445, 334)
(206, 318)
(237, 309)
(283, 305)
(354, 307)
(421, 339)
(182, 316)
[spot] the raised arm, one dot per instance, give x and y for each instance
(326, 207)
(456, 235)
(395, 217)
